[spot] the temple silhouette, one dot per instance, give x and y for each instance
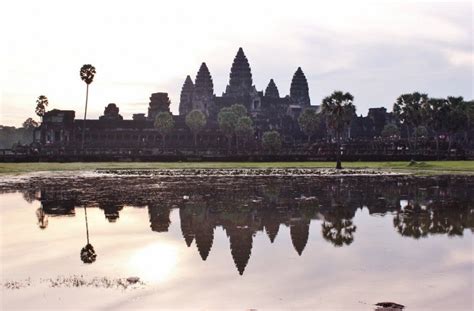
(61, 132)
(430, 207)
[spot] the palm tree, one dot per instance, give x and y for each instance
(41, 104)
(408, 108)
(87, 74)
(434, 114)
(338, 110)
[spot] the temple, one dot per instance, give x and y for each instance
(61, 133)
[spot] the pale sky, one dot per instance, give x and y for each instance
(375, 50)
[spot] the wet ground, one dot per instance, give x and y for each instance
(232, 239)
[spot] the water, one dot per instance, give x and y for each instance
(203, 242)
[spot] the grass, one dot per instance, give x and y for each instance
(430, 167)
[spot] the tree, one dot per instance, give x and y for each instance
(164, 123)
(309, 122)
(338, 110)
(87, 74)
(457, 117)
(271, 141)
(195, 120)
(30, 124)
(244, 128)
(434, 114)
(41, 104)
(470, 117)
(390, 130)
(239, 110)
(408, 108)
(227, 120)
(421, 131)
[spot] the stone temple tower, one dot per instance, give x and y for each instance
(240, 82)
(299, 91)
(159, 102)
(203, 90)
(272, 90)
(186, 99)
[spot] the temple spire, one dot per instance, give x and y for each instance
(186, 99)
(203, 89)
(272, 229)
(241, 240)
(299, 232)
(204, 84)
(204, 238)
(272, 90)
(186, 220)
(299, 90)
(240, 82)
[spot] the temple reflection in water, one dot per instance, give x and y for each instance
(420, 206)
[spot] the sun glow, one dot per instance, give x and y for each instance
(154, 262)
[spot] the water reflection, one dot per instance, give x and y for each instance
(88, 254)
(420, 207)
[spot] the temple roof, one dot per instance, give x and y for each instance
(204, 84)
(188, 85)
(241, 241)
(299, 235)
(272, 90)
(272, 228)
(299, 90)
(240, 75)
(204, 239)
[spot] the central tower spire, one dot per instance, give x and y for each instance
(240, 82)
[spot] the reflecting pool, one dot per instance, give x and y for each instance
(236, 242)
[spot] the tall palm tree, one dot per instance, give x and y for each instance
(41, 104)
(338, 110)
(87, 74)
(408, 108)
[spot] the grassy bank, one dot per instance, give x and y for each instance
(434, 167)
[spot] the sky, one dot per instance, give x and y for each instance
(376, 50)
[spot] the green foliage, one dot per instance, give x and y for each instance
(457, 114)
(390, 130)
(11, 136)
(227, 120)
(338, 110)
(164, 122)
(470, 114)
(408, 108)
(30, 124)
(196, 120)
(244, 128)
(421, 131)
(309, 122)
(41, 104)
(271, 141)
(239, 110)
(87, 73)
(434, 113)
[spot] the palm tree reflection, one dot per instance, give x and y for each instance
(88, 254)
(42, 218)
